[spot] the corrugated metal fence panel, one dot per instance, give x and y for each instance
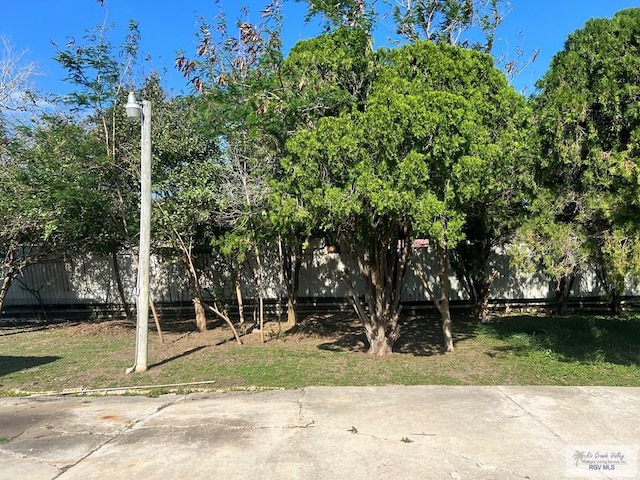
(91, 279)
(40, 283)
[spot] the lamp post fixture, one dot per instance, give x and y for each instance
(142, 110)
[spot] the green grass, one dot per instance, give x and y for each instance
(581, 350)
(522, 350)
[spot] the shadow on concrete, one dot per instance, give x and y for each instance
(11, 364)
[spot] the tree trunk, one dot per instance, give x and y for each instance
(291, 310)
(292, 262)
(616, 302)
(194, 284)
(226, 318)
(383, 269)
(261, 319)
(6, 283)
(481, 306)
(481, 300)
(238, 285)
(470, 262)
(563, 290)
(117, 273)
(381, 343)
(562, 308)
(201, 315)
(281, 276)
(12, 271)
(447, 336)
(443, 303)
(261, 292)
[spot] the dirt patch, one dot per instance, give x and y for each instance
(334, 331)
(110, 327)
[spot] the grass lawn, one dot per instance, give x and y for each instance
(324, 350)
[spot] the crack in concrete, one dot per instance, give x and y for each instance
(613, 393)
(115, 436)
(483, 466)
(301, 415)
(303, 393)
(531, 415)
(138, 423)
(235, 427)
(91, 452)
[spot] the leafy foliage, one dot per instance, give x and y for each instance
(359, 14)
(449, 21)
(408, 161)
(589, 127)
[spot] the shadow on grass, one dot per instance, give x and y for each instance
(422, 335)
(10, 364)
(180, 355)
(192, 350)
(419, 335)
(585, 339)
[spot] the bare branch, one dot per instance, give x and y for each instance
(16, 72)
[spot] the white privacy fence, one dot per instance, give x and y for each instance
(92, 280)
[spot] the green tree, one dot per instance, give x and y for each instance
(588, 119)
(492, 215)
(254, 102)
(342, 13)
(320, 78)
(233, 73)
(52, 196)
(455, 22)
(403, 165)
(551, 243)
(186, 169)
(99, 74)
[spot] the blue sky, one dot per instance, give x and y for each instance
(168, 26)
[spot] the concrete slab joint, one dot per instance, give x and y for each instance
(358, 433)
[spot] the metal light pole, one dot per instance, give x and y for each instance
(142, 110)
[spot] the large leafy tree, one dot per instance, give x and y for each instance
(233, 71)
(320, 78)
(588, 119)
(186, 169)
(55, 200)
(100, 75)
(493, 215)
(255, 100)
(404, 163)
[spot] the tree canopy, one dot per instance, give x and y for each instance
(370, 149)
(406, 162)
(588, 123)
